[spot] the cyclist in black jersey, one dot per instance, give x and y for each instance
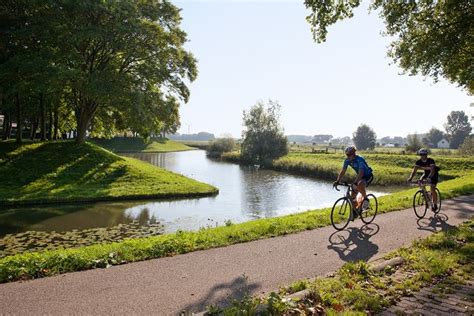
(430, 173)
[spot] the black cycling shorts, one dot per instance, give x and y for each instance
(367, 179)
(434, 179)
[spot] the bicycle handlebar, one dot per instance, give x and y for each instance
(418, 182)
(345, 184)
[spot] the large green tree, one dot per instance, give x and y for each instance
(431, 38)
(457, 128)
(364, 137)
(28, 73)
(124, 54)
(263, 137)
(107, 60)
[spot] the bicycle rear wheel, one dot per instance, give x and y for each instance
(341, 213)
(438, 208)
(419, 204)
(368, 215)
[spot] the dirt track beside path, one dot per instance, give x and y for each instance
(193, 281)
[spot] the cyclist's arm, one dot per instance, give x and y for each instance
(432, 170)
(341, 174)
(415, 169)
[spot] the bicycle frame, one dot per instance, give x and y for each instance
(428, 196)
(349, 191)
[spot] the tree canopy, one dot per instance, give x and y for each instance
(433, 137)
(114, 64)
(413, 143)
(364, 137)
(431, 38)
(263, 137)
(457, 128)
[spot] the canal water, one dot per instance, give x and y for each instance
(245, 193)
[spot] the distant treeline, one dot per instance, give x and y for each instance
(202, 136)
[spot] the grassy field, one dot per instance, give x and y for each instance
(389, 169)
(137, 144)
(338, 149)
(66, 171)
(46, 263)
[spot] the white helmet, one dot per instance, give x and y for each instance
(423, 151)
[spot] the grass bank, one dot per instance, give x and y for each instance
(445, 258)
(138, 144)
(389, 169)
(67, 172)
(41, 264)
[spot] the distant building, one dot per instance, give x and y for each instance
(443, 143)
(389, 145)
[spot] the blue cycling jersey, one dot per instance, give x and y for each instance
(357, 164)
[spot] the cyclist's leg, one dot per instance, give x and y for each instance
(434, 194)
(361, 187)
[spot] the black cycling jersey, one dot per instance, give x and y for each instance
(427, 163)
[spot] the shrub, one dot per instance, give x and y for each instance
(467, 147)
(220, 146)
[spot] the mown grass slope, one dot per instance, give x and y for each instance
(65, 171)
(138, 144)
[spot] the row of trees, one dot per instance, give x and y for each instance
(263, 137)
(92, 66)
(457, 129)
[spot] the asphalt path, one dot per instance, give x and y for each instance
(192, 281)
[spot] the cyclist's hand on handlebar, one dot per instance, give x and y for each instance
(409, 180)
(335, 184)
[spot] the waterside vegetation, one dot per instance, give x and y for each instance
(47, 263)
(389, 169)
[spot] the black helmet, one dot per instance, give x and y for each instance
(350, 150)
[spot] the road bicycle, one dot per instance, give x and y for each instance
(423, 199)
(345, 210)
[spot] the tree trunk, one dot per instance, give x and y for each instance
(50, 125)
(34, 127)
(82, 120)
(56, 123)
(42, 118)
(19, 123)
(84, 115)
(9, 126)
(6, 125)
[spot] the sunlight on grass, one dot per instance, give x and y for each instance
(65, 171)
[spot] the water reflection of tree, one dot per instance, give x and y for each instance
(261, 192)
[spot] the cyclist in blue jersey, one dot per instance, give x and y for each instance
(364, 173)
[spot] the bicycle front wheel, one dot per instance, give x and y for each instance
(419, 204)
(341, 213)
(368, 215)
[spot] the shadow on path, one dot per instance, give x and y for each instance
(436, 223)
(354, 244)
(224, 293)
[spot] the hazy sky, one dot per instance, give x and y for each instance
(250, 51)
